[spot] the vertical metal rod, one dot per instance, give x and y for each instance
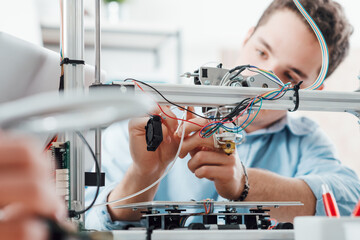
(97, 73)
(97, 42)
(74, 79)
(98, 145)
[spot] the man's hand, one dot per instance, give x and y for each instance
(147, 162)
(26, 192)
(147, 166)
(212, 163)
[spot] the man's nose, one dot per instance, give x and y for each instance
(274, 67)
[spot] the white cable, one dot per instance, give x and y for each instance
(268, 77)
(224, 78)
(157, 181)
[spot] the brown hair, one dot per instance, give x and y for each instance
(330, 18)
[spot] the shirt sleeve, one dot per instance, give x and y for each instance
(116, 160)
(319, 164)
(99, 218)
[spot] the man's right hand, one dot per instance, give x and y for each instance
(147, 162)
(147, 166)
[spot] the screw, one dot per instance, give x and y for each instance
(252, 79)
(207, 82)
(235, 84)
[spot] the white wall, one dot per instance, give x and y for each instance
(20, 18)
(210, 25)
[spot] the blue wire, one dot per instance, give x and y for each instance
(317, 32)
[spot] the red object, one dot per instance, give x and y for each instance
(356, 212)
(330, 205)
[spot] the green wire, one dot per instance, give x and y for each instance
(254, 117)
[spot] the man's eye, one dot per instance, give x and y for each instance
(289, 77)
(261, 53)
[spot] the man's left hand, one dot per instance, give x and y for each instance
(212, 163)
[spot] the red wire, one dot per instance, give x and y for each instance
(205, 126)
(166, 113)
(48, 146)
(273, 219)
(206, 211)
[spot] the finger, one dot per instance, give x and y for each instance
(19, 152)
(194, 142)
(212, 158)
(24, 229)
(166, 135)
(213, 173)
(32, 197)
(170, 120)
(137, 124)
(192, 125)
(22, 160)
(197, 149)
(189, 112)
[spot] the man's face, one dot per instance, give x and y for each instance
(286, 46)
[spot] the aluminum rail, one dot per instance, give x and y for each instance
(74, 80)
(97, 74)
(212, 96)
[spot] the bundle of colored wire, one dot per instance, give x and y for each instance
(213, 127)
(274, 223)
(208, 206)
(324, 49)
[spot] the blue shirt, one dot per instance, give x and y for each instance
(292, 147)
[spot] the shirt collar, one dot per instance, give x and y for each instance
(300, 126)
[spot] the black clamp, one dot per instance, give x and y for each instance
(154, 134)
(296, 95)
(68, 61)
(71, 61)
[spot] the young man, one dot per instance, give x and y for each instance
(287, 158)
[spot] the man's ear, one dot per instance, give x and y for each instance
(248, 35)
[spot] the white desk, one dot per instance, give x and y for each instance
(205, 234)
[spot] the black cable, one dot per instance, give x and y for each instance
(157, 91)
(241, 67)
(240, 70)
(235, 112)
(239, 107)
(74, 213)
